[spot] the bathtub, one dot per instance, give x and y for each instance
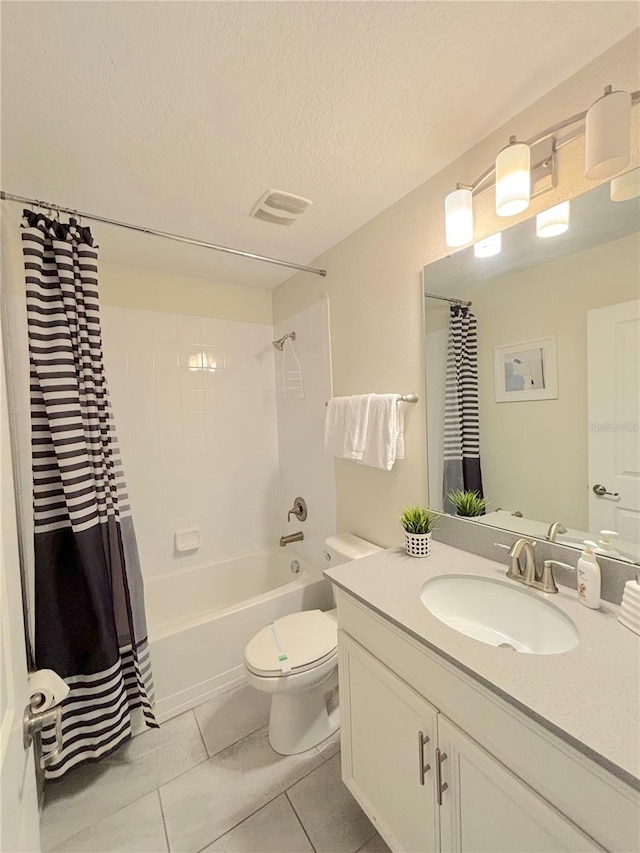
(199, 621)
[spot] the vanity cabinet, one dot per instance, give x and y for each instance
(439, 765)
(389, 752)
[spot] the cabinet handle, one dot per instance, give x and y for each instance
(423, 768)
(441, 786)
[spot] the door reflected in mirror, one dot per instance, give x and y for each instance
(533, 378)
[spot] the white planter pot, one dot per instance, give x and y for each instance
(417, 544)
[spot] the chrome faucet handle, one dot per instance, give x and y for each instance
(548, 582)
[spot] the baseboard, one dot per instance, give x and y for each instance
(184, 700)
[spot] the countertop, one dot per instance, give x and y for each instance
(589, 696)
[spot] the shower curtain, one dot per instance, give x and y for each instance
(89, 605)
(461, 423)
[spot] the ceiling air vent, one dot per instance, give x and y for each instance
(279, 207)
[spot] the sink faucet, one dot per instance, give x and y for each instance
(292, 537)
(526, 575)
(529, 575)
(554, 529)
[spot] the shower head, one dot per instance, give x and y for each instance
(279, 344)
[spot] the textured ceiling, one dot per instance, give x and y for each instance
(179, 115)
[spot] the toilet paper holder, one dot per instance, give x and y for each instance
(33, 722)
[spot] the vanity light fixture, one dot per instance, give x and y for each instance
(488, 247)
(513, 178)
(608, 135)
(459, 217)
(626, 186)
(525, 170)
(554, 221)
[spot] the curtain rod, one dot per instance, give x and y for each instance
(447, 299)
(155, 233)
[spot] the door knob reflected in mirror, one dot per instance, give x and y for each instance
(601, 491)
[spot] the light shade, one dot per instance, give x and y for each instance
(513, 179)
(458, 207)
(488, 247)
(626, 186)
(554, 221)
(608, 135)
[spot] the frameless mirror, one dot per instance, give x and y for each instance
(555, 407)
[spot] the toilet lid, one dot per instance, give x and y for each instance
(306, 638)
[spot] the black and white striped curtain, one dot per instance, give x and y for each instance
(461, 422)
(89, 606)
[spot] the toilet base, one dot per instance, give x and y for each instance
(302, 720)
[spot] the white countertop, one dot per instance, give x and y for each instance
(590, 696)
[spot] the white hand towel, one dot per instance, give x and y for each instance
(400, 436)
(334, 425)
(345, 426)
(382, 435)
(356, 426)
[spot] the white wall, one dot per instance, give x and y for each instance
(304, 469)
(16, 351)
(194, 405)
(374, 283)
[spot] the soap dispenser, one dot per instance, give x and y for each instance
(630, 610)
(605, 545)
(589, 577)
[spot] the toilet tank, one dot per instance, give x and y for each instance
(345, 547)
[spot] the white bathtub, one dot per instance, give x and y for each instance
(200, 620)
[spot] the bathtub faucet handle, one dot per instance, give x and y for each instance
(299, 509)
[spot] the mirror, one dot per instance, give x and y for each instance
(558, 377)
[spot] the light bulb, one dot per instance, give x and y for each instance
(608, 135)
(626, 186)
(513, 178)
(553, 221)
(488, 247)
(458, 207)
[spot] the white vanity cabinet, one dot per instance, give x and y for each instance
(487, 808)
(389, 734)
(490, 781)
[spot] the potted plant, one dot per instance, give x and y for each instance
(468, 504)
(418, 522)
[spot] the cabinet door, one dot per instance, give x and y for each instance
(486, 809)
(388, 737)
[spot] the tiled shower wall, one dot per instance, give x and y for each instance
(304, 468)
(195, 411)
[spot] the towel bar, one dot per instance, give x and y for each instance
(404, 398)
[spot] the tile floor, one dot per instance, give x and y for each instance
(208, 781)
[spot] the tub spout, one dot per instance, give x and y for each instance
(292, 537)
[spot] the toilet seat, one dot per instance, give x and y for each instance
(309, 639)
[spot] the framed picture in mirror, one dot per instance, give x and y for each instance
(527, 370)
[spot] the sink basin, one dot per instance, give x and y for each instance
(500, 614)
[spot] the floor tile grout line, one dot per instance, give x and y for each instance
(204, 743)
(236, 742)
(104, 817)
(137, 798)
(164, 823)
(275, 797)
(193, 766)
(304, 829)
(373, 834)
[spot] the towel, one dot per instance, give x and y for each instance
(384, 436)
(400, 435)
(346, 426)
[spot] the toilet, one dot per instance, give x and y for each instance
(295, 659)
